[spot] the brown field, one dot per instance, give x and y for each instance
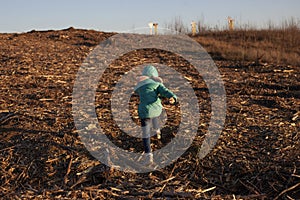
(256, 157)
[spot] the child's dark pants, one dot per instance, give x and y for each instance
(146, 128)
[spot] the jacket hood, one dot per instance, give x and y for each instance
(142, 78)
(156, 79)
(150, 71)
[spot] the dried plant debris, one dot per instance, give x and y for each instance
(41, 155)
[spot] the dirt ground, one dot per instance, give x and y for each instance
(256, 157)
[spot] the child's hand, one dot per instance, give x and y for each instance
(172, 100)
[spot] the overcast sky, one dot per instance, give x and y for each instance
(122, 15)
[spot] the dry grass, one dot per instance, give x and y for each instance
(273, 44)
(277, 46)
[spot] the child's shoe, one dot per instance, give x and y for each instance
(148, 159)
(158, 134)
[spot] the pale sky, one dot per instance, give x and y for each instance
(121, 15)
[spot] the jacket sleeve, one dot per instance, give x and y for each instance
(165, 92)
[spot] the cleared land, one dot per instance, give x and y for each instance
(42, 157)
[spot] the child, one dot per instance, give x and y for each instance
(149, 89)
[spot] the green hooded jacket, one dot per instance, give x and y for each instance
(149, 88)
